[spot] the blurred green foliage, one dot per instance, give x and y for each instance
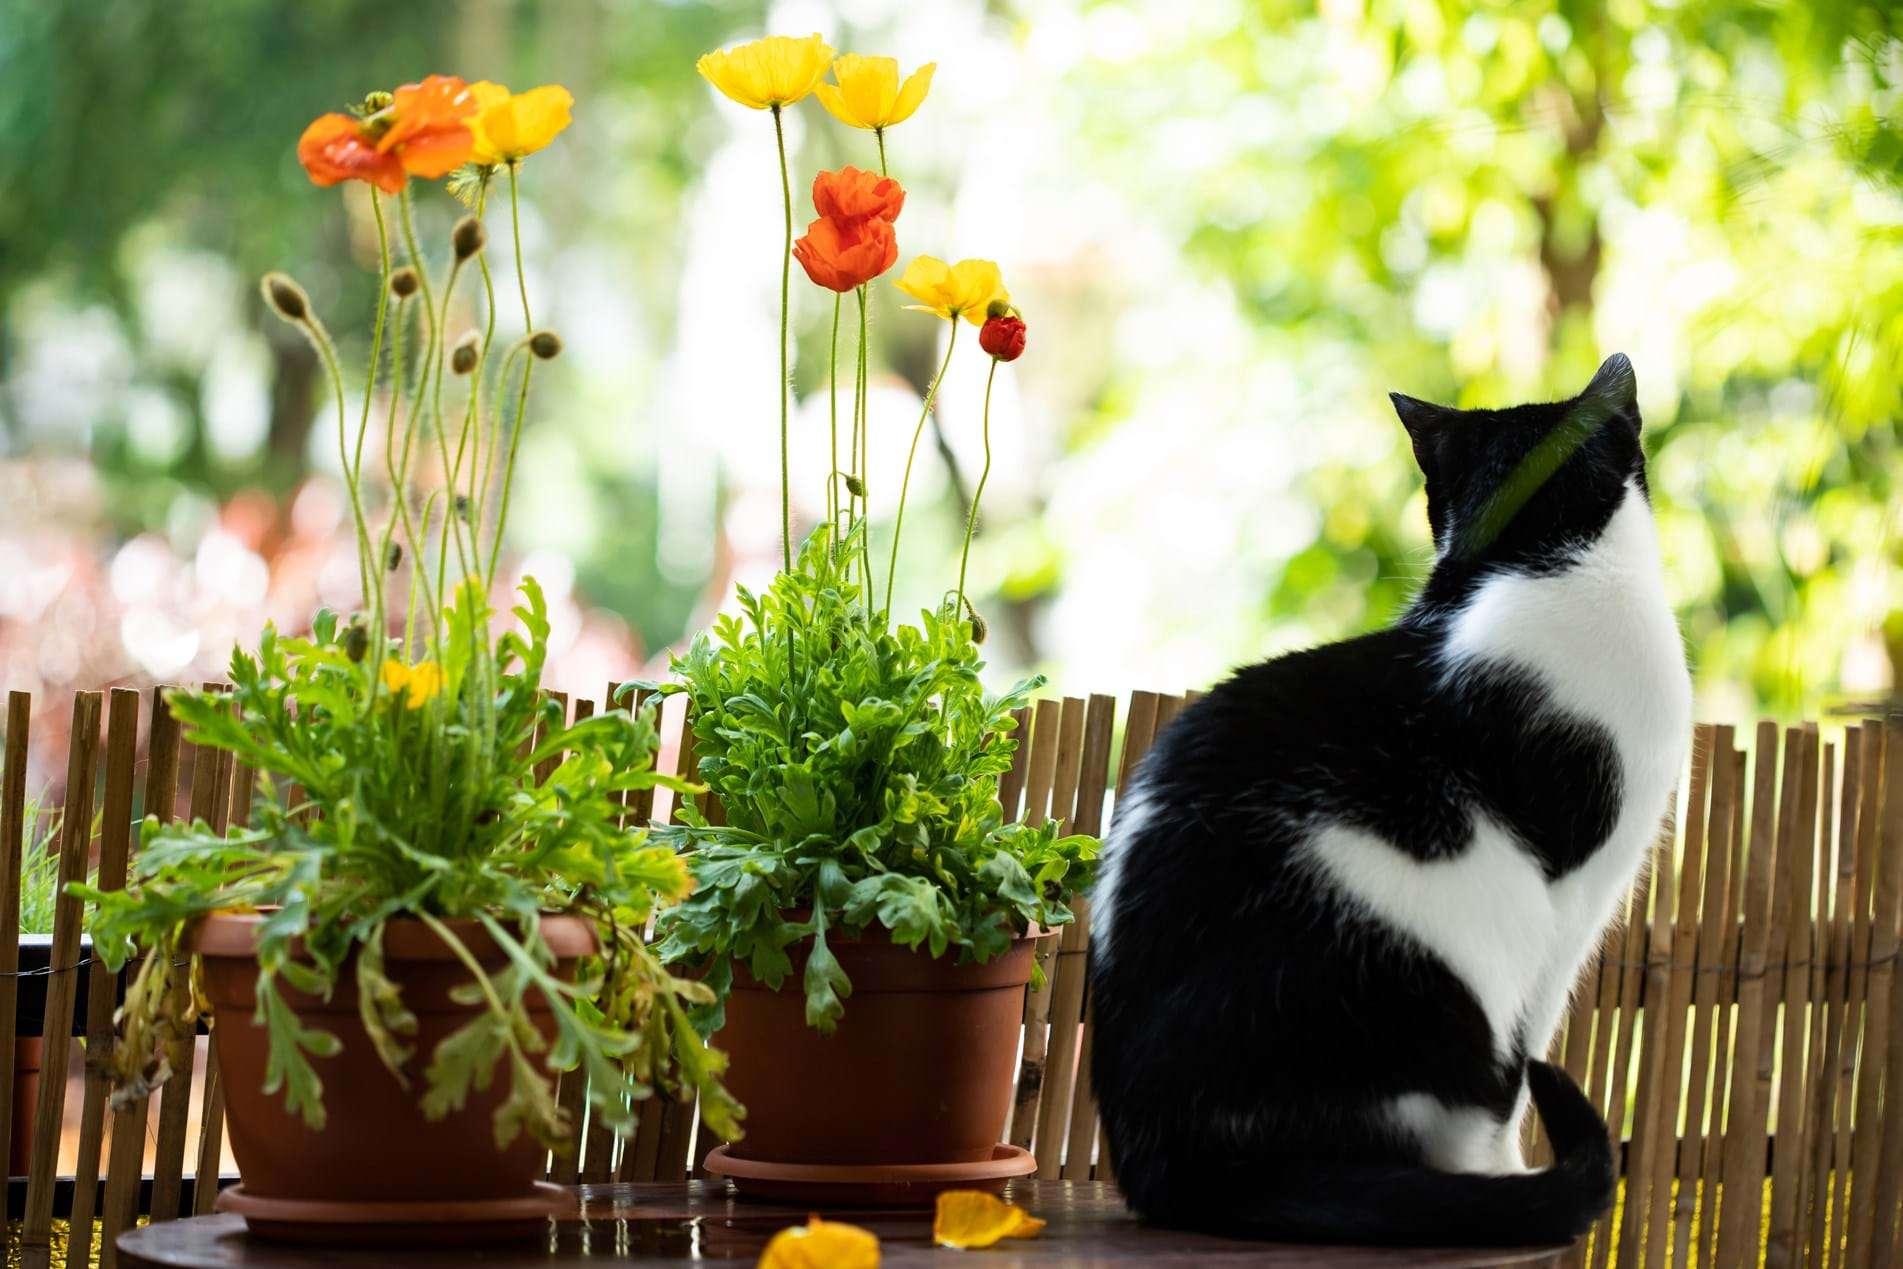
(1473, 203)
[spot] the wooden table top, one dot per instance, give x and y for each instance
(701, 1220)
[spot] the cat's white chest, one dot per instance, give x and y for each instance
(1600, 638)
(1602, 641)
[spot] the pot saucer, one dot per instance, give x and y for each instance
(400, 1224)
(884, 1184)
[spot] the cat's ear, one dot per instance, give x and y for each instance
(1425, 423)
(1615, 387)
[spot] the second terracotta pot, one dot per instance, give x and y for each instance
(919, 1071)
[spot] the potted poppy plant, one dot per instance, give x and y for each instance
(862, 912)
(436, 909)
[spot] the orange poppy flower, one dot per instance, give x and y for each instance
(845, 256)
(422, 132)
(851, 195)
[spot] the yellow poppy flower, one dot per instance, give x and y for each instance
(869, 95)
(775, 71)
(418, 682)
(822, 1244)
(510, 126)
(972, 1218)
(965, 289)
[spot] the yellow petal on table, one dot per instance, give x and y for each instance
(971, 1218)
(822, 1244)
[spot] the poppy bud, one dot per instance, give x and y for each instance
(287, 297)
(395, 558)
(373, 102)
(1000, 308)
(979, 628)
(462, 358)
(1002, 337)
(855, 486)
(356, 639)
(468, 237)
(405, 282)
(462, 507)
(545, 344)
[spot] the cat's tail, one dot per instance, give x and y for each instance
(1419, 1207)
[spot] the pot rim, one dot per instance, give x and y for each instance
(406, 938)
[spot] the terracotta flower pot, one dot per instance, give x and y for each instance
(908, 1096)
(380, 1171)
(26, 1101)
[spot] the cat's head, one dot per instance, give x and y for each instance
(1530, 480)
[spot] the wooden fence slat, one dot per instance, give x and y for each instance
(168, 1169)
(12, 857)
(208, 1164)
(1823, 1109)
(1796, 866)
(1856, 987)
(1612, 1045)
(125, 1164)
(1011, 783)
(1722, 983)
(62, 985)
(1745, 1131)
(1055, 730)
(1888, 1183)
(1649, 1229)
(1883, 833)
(1084, 776)
(1712, 923)
(115, 834)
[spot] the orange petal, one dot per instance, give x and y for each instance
(972, 1218)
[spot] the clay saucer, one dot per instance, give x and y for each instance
(884, 1184)
(399, 1224)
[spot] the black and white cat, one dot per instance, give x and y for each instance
(1344, 903)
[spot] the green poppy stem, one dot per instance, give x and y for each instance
(832, 389)
(786, 274)
(898, 524)
(861, 451)
(972, 521)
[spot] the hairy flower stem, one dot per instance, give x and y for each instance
(971, 521)
(832, 388)
(472, 415)
(528, 370)
(786, 274)
(898, 523)
(320, 339)
(376, 340)
(862, 452)
(880, 134)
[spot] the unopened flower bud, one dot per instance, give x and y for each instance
(1000, 308)
(545, 344)
(373, 102)
(1003, 337)
(855, 486)
(462, 507)
(356, 639)
(468, 237)
(979, 628)
(462, 358)
(287, 297)
(405, 282)
(395, 559)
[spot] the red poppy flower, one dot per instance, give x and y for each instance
(423, 132)
(843, 257)
(851, 195)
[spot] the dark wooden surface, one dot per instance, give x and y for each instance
(662, 1224)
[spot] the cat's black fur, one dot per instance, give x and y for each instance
(1245, 1019)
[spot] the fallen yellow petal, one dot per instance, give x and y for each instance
(822, 1244)
(971, 1218)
